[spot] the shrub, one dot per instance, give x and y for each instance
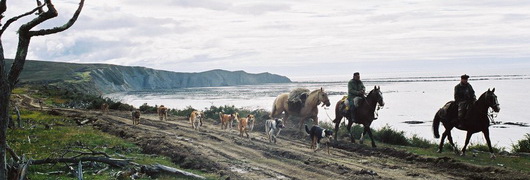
(420, 142)
(185, 112)
(522, 145)
(213, 112)
(391, 136)
(145, 108)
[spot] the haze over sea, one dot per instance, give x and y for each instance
(407, 99)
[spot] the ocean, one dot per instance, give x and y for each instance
(407, 99)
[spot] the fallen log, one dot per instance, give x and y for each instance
(157, 168)
(110, 161)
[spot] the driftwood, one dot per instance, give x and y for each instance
(98, 157)
(79, 171)
(157, 168)
(19, 121)
(12, 153)
(102, 170)
(110, 161)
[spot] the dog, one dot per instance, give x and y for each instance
(317, 133)
(162, 112)
(251, 123)
(135, 117)
(273, 128)
(104, 108)
(227, 119)
(243, 124)
(196, 119)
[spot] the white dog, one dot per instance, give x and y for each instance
(273, 128)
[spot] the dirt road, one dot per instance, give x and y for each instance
(223, 152)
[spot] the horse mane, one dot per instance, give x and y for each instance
(315, 91)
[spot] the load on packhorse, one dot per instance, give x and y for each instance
(305, 105)
(297, 99)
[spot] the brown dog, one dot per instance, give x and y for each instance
(104, 108)
(227, 119)
(136, 117)
(196, 119)
(243, 124)
(162, 112)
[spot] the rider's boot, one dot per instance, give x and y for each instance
(353, 108)
(461, 115)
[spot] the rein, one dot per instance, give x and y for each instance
(491, 116)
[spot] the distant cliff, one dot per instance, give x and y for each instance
(104, 78)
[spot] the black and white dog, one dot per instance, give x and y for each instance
(316, 133)
(273, 128)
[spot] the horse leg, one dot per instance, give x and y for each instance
(350, 123)
(361, 140)
(371, 136)
(337, 124)
(450, 138)
(468, 137)
(285, 118)
(442, 141)
(486, 133)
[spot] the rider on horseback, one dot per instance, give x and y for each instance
(464, 96)
(356, 91)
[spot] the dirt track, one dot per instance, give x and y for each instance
(223, 152)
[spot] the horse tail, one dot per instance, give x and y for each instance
(338, 115)
(307, 129)
(436, 125)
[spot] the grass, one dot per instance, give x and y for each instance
(477, 154)
(36, 141)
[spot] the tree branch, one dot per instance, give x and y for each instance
(13, 154)
(25, 34)
(60, 28)
(3, 8)
(13, 19)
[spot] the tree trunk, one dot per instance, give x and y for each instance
(5, 93)
(9, 79)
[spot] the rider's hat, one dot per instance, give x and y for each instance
(356, 73)
(465, 76)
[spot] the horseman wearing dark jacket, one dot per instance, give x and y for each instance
(464, 96)
(356, 91)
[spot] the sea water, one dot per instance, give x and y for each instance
(409, 99)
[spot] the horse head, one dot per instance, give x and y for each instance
(377, 95)
(323, 97)
(491, 100)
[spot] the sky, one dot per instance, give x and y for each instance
(305, 40)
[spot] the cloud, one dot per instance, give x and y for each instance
(287, 37)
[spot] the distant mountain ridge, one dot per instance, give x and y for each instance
(106, 78)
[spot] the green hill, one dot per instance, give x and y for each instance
(105, 78)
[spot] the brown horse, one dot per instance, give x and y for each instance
(309, 110)
(364, 114)
(476, 120)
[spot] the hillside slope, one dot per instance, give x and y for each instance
(105, 78)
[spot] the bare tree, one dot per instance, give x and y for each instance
(8, 79)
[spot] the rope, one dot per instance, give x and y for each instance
(326, 109)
